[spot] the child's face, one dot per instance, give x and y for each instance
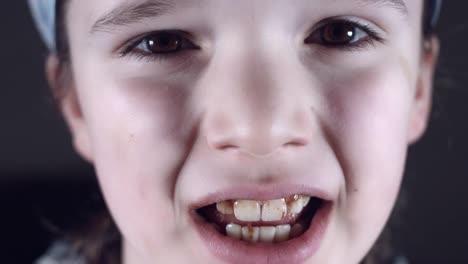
(255, 100)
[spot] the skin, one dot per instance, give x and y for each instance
(253, 101)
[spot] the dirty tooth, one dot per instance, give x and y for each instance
(264, 234)
(267, 211)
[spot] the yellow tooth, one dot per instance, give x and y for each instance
(234, 231)
(267, 234)
(305, 200)
(274, 210)
(247, 211)
(297, 204)
(282, 233)
(296, 231)
(225, 207)
(250, 234)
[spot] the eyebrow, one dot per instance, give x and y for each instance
(131, 13)
(399, 5)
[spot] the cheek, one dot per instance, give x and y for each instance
(137, 133)
(368, 116)
(367, 122)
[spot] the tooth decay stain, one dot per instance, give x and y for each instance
(271, 210)
(250, 233)
(225, 207)
(252, 211)
(247, 210)
(264, 234)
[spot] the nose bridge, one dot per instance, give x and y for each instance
(253, 105)
(258, 95)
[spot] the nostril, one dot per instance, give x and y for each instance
(226, 147)
(293, 144)
(260, 138)
(256, 145)
(221, 143)
(297, 142)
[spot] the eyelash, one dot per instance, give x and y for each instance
(373, 36)
(131, 49)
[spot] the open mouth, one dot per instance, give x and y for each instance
(264, 222)
(285, 224)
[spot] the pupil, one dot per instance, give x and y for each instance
(163, 43)
(339, 34)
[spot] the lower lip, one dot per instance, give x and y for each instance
(294, 251)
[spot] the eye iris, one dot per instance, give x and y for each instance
(338, 33)
(163, 43)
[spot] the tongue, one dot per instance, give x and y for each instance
(212, 215)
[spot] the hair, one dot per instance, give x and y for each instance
(99, 241)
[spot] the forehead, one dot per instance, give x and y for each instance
(94, 12)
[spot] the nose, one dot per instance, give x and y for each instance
(256, 135)
(257, 108)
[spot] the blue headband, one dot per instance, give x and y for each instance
(436, 7)
(44, 12)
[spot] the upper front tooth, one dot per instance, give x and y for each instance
(247, 211)
(225, 207)
(274, 210)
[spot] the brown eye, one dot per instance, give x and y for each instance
(340, 33)
(164, 43)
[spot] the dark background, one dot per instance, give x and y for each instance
(44, 185)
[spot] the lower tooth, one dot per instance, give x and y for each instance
(267, 234)
(250, 234)
(296, 230)
(282, 233)
(234, 231)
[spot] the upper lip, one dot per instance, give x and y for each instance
(261, 192)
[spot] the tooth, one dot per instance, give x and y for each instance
(247, 211)
(296, 230)
(225, 207)
(297, 204)
(274, 210)
(250, 234)
(305, 200)
(234, 231)
(295, 207)
(282, 233)
(267, 234)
